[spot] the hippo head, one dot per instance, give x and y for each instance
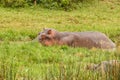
(47, 37)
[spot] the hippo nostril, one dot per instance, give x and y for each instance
(40, 39)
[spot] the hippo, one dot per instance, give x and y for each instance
(87, 39)
(103, 65)
(109, 70)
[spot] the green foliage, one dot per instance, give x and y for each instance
(13, 3)
(63, 4)
(30, 60)
(23, 59)
(50, 4)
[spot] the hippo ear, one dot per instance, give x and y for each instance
(49, 31)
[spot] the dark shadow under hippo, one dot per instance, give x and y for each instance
(89, 39)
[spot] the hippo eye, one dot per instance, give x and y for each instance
(40, 33)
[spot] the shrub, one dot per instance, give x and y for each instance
(50, 4)
(61, 4)
(13, 3)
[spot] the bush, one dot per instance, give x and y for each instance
(61, 4)
(50, 4)
(15, 3)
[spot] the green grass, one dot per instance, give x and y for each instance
(20, 58)
(26, 23)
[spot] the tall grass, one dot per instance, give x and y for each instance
(32, 61)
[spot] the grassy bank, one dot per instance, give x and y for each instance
(27, 22)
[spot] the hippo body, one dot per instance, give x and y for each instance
(87, 39)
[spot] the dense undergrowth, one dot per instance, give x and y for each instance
(66, 5)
